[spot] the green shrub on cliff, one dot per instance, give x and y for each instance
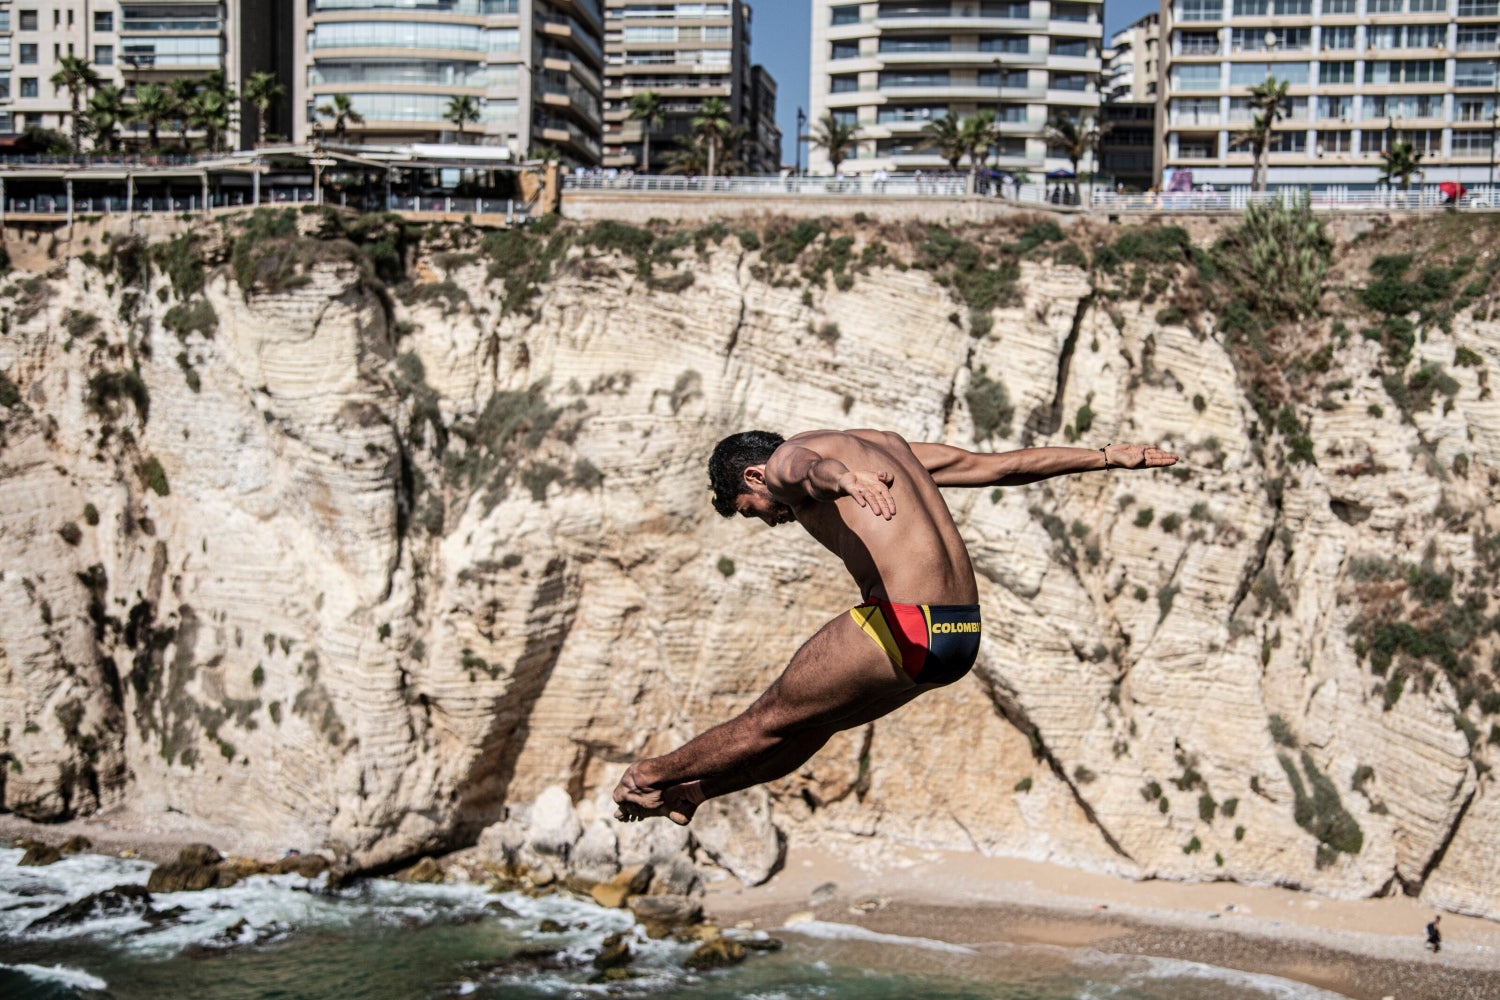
(195, 316)
(989, 406)
(1317, 808)
(1276, 259)
(106, 390)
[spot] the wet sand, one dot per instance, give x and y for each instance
(1364, 949)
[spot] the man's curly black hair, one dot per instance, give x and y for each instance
(731, 457)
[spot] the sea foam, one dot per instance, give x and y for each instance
(75, 978)
(850, 932)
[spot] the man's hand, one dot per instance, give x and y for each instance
(871, 491)
(1135, 456)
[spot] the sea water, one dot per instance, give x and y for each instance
(286, 936)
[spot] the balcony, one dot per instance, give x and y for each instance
(558, 26)
(557, 130)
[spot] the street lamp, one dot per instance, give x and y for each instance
(801, 128)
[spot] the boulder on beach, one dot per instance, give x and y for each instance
(736, 831)
(116, 902)
(76, 845)
(199, 854)
(596, 855)
(553, 826)
(198, 867)
(306, 865)
(665, 912)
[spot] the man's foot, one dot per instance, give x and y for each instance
(677, 803)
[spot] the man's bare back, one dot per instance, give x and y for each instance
(874, 501)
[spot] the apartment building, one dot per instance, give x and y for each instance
(889, 67)
(533, 68)
(126, 43)
(1127, 118)
(685, 53)
(1363, 74)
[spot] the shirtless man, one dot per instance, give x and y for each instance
(873, 500)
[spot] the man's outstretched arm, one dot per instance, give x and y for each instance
(795, 473)
(952, 466)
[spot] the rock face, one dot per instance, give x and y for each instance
(350, 543)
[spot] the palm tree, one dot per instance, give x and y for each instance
(153, 105)
(341, 110)
(462, 109)
(183, 92)
(105, 113)
(262, 91)
(943, 135)
(646, 108)
(78, 77)
(835, 137)
(712, 125)
(690, 157)
(1269, 103)
(1074, 137)
(212, 111)
(977, 135)
(1400, 162)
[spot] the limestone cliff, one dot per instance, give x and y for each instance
(347, 535)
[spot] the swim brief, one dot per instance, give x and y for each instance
(931, 643)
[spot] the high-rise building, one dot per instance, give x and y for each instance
(1363, 75)
(889, 67)
(1127, 118)
(685, 53)
(532, 71)
(127, 44)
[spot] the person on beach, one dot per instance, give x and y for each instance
(1435, 936)
(873, 499)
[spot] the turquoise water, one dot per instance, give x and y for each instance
(388, 941)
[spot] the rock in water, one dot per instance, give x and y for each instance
(199, 854)
(306, 865)
(40, 854)
(198, 867)
(116, 902)
(615, 952)
(673, 911)
(425, 870)
(717, 953)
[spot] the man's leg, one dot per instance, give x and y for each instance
(839, 674)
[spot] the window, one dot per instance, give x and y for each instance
(1338, 38)
(1250, 74)
(28, 53)
(844, 50)
(104, 20)
(1268, 8)
(1197, 149)
(1405, 71)
(1335, 108)
(1195, 111)
(1412, 36)
(104, 55)
(1198, 43)
(1074, 12)
(1016, 78)
(1070, 81)
(1203, 10)
(1340, 6)
(1383, 6)
(4, 86)
(898, 79)
(1475, 109)
(939, 43)
(845, 116)
(844, 15)
(1257, 40)
(1336, 72)
(1478, 8)
(845, 83)
(1428, 6)
(1477, 38)
(1474, 74)
(28, 20)
(1472, 143)
(1335, 142)
(4, 20)
(1404, 106)
(1017, 45)
(887, 115)
(383, 34)
(1195, 77)
(1060, 47)
(651, 33)
(28, 86)
(1287, 142)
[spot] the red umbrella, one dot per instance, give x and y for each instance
(1452, 190)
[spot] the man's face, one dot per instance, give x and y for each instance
(759, 503)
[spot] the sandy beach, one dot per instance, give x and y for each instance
(1369, 949)
(1364, 949)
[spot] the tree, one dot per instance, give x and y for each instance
(262, 91)
(1074, 137)
(1269, 104)
(183, 91)
(153, 105)
(943, 135)
(462, 109)
(78, 77)
(646, 108)
(690, 157)
(1400, 162)
(711, 124)
(341, 110)
(977, 135)
(212, 111)
(835, 137)
(105, 113)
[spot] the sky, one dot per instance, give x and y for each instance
(780, 33)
